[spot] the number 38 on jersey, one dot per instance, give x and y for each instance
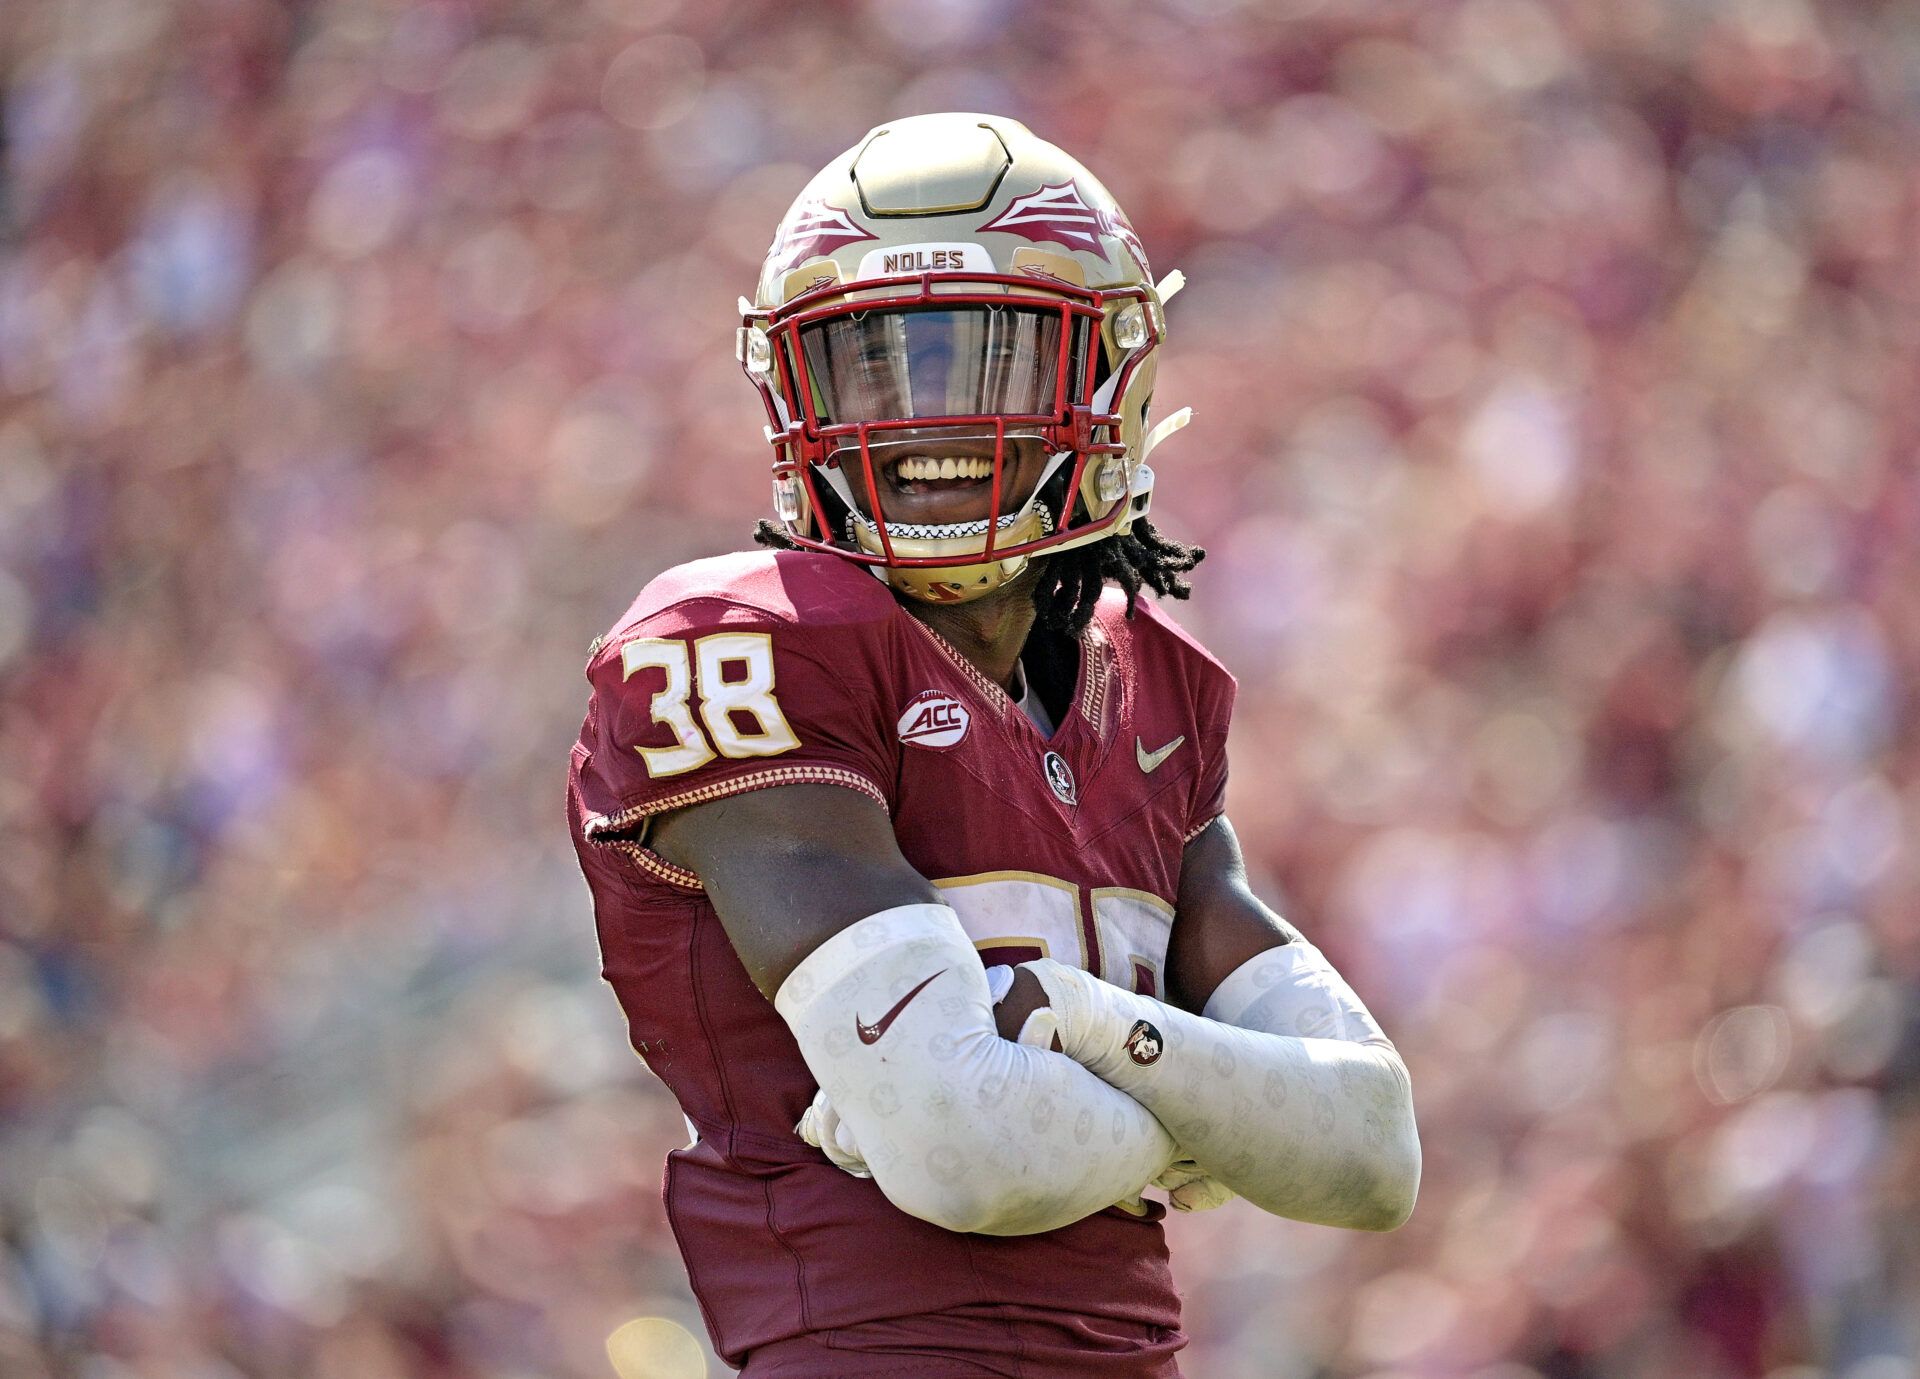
(732, 674)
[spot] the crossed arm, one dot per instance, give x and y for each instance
(963, 1125)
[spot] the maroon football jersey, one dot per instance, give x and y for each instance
(765, 669)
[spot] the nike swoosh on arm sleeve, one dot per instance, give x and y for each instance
(957, 1125)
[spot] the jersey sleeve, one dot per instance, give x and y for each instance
(1214, 715)
(708, 698)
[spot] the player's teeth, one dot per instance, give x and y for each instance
(917, 467)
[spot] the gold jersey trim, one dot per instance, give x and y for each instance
(1095, 672)
(1198, 829)
(1093, 700)
(598, 826)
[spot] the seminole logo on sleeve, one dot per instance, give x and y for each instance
(934, 718)
(1144, 1043)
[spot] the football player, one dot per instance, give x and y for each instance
(905, 836)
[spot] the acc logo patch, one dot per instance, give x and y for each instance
(934, 718)
(1144, 1043)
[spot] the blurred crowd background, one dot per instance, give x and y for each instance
(1555, 368)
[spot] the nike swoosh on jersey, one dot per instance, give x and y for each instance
(870, 1034)
(1150, 761)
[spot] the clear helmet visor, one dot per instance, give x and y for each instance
(965, 361)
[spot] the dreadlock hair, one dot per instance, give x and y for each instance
(1070, 581)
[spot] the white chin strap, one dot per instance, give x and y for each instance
(1102, 397)
(1168, 425)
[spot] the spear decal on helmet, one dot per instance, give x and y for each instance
(812, 229)
(1058, 214)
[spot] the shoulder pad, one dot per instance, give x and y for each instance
(1154, 634)
(791, 586)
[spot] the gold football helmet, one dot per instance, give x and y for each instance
(954, 276)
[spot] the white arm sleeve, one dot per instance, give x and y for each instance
(1309, 1114)
(958, 1126)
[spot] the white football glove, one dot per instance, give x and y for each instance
(1191, 1188)
(820, 1126)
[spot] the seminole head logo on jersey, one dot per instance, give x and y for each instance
(1059, 778)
